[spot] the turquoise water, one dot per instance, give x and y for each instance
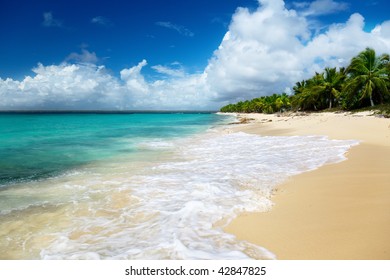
(140, 186)
(36, 146)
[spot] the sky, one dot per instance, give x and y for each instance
(174, 54)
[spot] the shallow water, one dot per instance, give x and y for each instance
(168, 197)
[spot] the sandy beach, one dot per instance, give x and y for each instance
(339, 211)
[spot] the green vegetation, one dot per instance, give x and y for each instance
(265, 104)
(365, 82)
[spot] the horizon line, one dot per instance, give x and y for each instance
(54, 111)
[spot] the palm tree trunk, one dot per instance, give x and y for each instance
(372, 101)
(330, 103)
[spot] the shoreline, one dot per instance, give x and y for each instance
(339, 211)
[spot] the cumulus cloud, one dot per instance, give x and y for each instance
(50, 21)
(133, 78)
(187, 92)
(268, 50)
(264, 51)
(178, 28)
(87, 86)
(259, 52)
(382, 30)
(60, 86)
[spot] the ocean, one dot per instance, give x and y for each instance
(140, 185)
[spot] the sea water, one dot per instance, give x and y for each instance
(140, 186)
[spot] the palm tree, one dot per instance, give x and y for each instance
(306, 100)
(299, 87)
(329, 85)
(368, 76)
(311, 98)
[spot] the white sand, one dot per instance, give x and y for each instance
(340, 211)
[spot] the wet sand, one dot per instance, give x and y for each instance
(339, 211)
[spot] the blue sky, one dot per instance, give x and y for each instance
(173, 54)
(120, 33)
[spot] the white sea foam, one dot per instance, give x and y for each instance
(176, 209)
(156, 144)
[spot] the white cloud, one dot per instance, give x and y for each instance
(342, 41)
(61, 86)
(382, 30)
(100, 20)
(264, 51)
(258, 52)
(268, 50)
(87, 86)
(180, 29)
(133, 78)
(301, 5)
(321, 7)
(84, 57)
(177, 72)
(50, 21)
(181, 92)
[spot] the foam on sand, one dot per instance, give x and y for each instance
(175, 208)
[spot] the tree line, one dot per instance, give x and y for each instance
(365, 82)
